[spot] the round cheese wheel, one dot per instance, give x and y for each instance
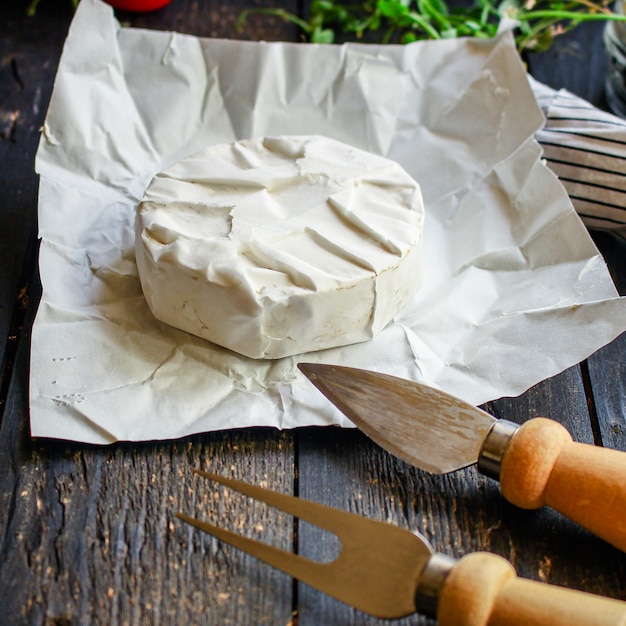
(277, 246)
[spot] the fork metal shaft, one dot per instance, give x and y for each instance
(431, 583)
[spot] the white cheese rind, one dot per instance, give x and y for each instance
(277, 246)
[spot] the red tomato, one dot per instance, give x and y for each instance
(140, 6)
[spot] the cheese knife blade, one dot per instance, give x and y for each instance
(536, 463)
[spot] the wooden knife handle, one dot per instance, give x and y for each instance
(482, 589)
(543, 466)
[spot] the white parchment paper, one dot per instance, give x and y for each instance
(514, 292)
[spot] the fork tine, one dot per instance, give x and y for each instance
(293, 564)
(321, 515)
(376, 570)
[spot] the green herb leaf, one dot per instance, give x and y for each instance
(392, 8)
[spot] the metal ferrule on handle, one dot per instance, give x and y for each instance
(494, 445)
(431, 583)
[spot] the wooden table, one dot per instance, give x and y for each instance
(88, 534)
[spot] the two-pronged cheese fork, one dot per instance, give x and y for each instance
(390, 572)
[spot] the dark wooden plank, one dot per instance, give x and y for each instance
(607, 375)
(29, 52)
(607, 367)
(88, 534)
(561, 398)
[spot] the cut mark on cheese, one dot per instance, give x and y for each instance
(339, 251)
(160, 234)
(213, 184)
(272, 258)
(285, 146)
(347, 214)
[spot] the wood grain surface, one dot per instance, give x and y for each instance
(88, 534)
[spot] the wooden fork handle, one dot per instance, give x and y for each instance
(542, 465)
(482, 589)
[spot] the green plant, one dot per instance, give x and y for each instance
(537, 22)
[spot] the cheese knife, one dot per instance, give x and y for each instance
(536, 463)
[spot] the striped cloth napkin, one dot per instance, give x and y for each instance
(586, 148)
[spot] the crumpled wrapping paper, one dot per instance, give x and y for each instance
(514, 289)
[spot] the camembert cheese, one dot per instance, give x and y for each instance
(277, 246)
